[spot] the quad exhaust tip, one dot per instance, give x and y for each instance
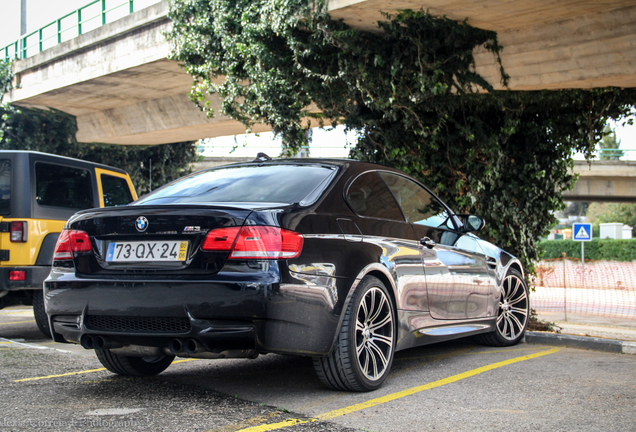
(87, 342)
(188, 346)
(175, 346)
(192, 346)
(98, 342)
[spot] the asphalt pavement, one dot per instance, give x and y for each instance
(453, 386)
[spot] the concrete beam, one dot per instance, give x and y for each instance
(548, 44)
(604, 181)
(168, 119)
(119, 83)
(132, 41)
(589, 51)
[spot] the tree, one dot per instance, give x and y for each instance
(598, 213)
(576, 208)
(609, 145)
(5, 77)
(410, 90)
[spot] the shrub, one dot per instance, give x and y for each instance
(597, 249)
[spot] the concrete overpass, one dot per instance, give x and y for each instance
(119, 84)
(604, 181)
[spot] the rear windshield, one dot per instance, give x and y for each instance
(262, 184)
(5, 186)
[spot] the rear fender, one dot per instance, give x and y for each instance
(377, 270)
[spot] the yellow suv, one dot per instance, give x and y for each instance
(38, 193)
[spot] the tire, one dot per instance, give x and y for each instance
(133, 366)
(512, 313)
(41, 319)
(363, 353)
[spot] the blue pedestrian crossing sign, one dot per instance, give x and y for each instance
(582, 232)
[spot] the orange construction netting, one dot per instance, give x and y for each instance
(600, 288)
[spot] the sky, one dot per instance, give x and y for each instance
(325, 143)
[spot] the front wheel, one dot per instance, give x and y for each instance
(512, 313)
(133, 366)
(363, 353)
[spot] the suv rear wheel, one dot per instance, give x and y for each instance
(40, 313)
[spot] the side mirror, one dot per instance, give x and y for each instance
(472, 223)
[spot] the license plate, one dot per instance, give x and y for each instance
(136, 251)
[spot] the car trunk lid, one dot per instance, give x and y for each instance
(153, 239)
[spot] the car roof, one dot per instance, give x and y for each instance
(62, 158)
(335, 162)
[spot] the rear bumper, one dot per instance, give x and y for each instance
(35, 276)
(224, 314)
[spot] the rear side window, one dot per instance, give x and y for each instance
(419, 206)
(369, 196)
(5, 186)
(62, 186)
(285, 183)
(116, 191)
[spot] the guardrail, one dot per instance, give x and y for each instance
(616, 154)
(611, 154)
(78, 22)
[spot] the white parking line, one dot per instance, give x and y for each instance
(26, 345)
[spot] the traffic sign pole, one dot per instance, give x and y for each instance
(583, 260)
(582, 232)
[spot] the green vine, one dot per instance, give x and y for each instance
(272, 62)
(6, 77)
(411, 92)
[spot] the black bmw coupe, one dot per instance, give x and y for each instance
(344, 261)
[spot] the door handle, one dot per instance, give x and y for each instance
(428, 242)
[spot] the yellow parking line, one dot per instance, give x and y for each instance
(60, 375)
(398, 395)
(81, 372)
(17, 311)
(185, 360)
(495, 351)
(17, 322)
(458, 351)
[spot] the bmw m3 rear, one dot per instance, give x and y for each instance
(343, 261)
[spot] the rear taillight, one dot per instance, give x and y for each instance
(17, 275)
(18, 231)
(255, 242)
(220, 239)
(71, 241)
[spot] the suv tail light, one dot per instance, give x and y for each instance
(18, 231)
(17, 275)
(255, 242)
(71, 241)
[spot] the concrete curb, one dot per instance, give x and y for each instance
(584, 342)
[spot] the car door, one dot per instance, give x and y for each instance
(382, 224)
(458, 281)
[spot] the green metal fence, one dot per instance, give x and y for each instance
(78, 22)
(615, 154)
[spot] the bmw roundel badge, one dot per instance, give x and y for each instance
(141, 224)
